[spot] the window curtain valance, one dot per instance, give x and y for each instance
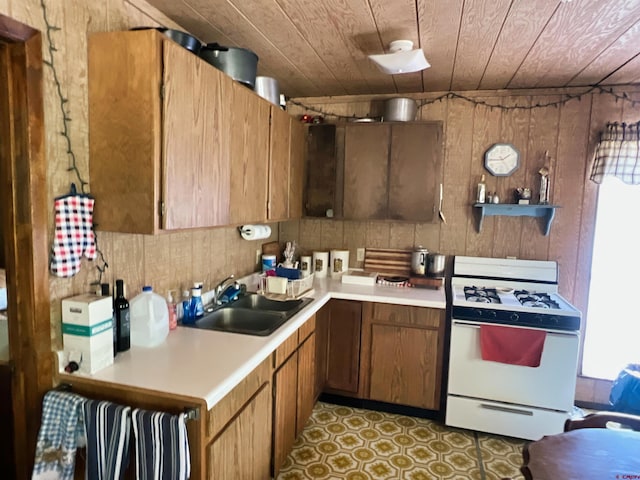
(618, 154)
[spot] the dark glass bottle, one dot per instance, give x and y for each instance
(122, 318)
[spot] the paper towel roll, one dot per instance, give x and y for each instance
(320, 264)
(339, 262)
(255, 232)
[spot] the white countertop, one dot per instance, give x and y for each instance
(207, 364)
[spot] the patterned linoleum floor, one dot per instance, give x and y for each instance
(354, 444)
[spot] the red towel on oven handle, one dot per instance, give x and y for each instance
(516, 346)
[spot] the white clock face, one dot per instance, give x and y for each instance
(502, 159)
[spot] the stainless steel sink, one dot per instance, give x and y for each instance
(251, 314)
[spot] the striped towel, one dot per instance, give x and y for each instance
(162, 446)
(107, 428)
(58, 437)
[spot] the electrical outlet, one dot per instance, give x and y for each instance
(258, 255)
(360, 254)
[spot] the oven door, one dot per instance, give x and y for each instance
(550, 385)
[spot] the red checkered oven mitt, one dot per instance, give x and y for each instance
(73, 234)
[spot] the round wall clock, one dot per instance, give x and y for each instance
(502, 159)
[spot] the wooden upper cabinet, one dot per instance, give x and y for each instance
(158, 135)
(297, 152)
(415, 171)
(249, 155)
(279, 152)
(321, 170)
(366, 171)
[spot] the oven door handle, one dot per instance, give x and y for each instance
(457, 323)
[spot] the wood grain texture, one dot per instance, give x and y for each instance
(196, 141)
(321, 173)
(343, 353)
(239, 452)
(24, 223)
(366, 171)
(284, 410)
(306, 329)
(249, 153)
(388, 261)
(279, 164)
(297, 173)
(127, 198)
(323, 317)
(306, 382)
(415, 160)
(285, 350)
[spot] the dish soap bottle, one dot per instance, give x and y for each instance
(173, 311)
(197, 307)
(482, 188)
(186, 308)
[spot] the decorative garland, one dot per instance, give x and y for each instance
(102, 264)
(453, 95)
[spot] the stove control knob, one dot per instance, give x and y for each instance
(515, 317)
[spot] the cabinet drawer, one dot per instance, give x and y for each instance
(307, 329)
(231, 404)
(406, 315)
(285, 350)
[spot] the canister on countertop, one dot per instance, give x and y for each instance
(306, 267)
(268, 262)
(320, 264)
(339, 262)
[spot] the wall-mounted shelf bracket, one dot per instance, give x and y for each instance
(546, 212)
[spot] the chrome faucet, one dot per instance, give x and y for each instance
(221, 288)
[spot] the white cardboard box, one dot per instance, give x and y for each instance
(87, 331)
(359, 277)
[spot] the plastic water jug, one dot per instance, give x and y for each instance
(149, 318)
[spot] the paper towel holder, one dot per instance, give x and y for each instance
(254, 232)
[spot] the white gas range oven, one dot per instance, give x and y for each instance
(514, 348)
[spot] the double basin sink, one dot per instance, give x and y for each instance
(251, 314)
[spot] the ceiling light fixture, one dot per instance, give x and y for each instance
(401, 59)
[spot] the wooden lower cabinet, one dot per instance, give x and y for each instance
(323, 317)
(242, 450)
(343, 350)
(285, 397)
(294, 390)
(402, 354)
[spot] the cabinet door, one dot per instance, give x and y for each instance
(285, 385)
(404, 364)
(323, 317)
(321, 175)
(249, 155)
(278, 206)
(306, 381)
(343, 355)
(297, 151)
(196, 138)
(416, 165)
(241, 450)
(366, 171)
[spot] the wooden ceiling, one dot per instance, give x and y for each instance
(320, 47)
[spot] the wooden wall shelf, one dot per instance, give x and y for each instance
(546, 212)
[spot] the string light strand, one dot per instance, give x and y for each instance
(567, 97)
(102, 264)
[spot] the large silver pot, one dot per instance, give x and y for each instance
(239, 63)
(436, 265)
(400, 110)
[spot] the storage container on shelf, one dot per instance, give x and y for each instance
(149, 318)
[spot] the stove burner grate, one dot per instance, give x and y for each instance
(535, 300)
(481, 295)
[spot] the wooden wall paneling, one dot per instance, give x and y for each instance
(157, 250)
(459, 143)
(480, 26)
(573, 140)
(182, 255)
(366, 171)
(127, 261)
(354, 237)
(515, 130)
(438, 20)
(524, 23)
(486, 132)
(332, 234)
(402, 235)
(543, 137)
(378, 234)
(311, 234)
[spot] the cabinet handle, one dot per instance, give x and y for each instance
(499, 408)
